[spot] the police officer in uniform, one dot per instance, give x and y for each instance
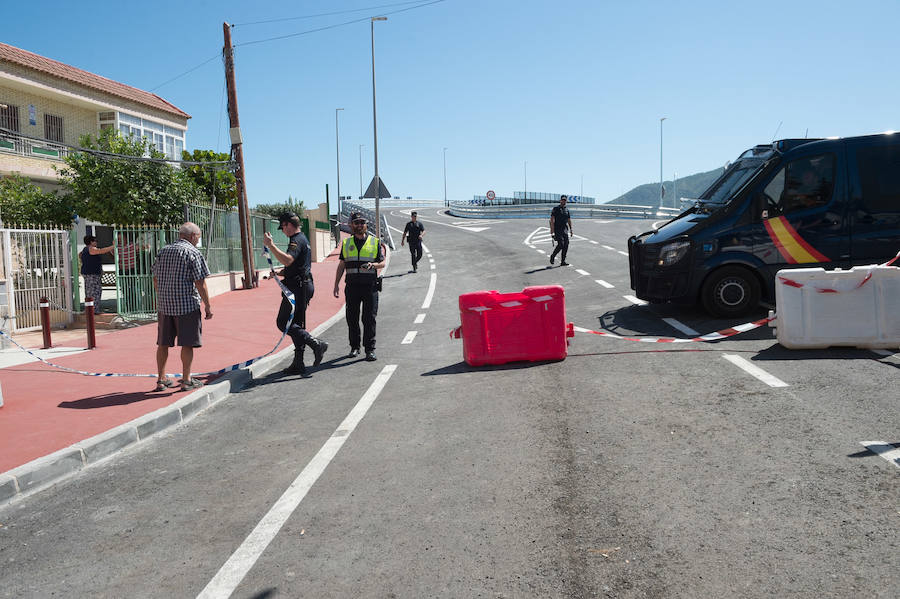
(561, 229)
(298, 279)
(362, 256)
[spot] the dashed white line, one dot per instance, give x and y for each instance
(675, 324)
(635, 300)
(420, 318)
(432, 266)
(621, 252)
(754, 370)
(604, 283)
(410, 335)
(541, 252)
(885, 450)
(582, 272)
(608, 247)
(430, 295)
(235, 569)
(594, 242)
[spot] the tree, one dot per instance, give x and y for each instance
(126, 191)
(24, 203)
(211, 179)
(276, 210)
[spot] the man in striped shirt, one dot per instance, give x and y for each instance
(179, 275)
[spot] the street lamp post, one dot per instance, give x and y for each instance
(445, 177)
(361, 146)
(674, 190)
(375, 135)
(337, 145)
(525, 198)
(661, 161)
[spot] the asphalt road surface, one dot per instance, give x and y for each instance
(726, 469)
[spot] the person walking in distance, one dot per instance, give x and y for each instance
(414, 231)
(179, 275)
(298, 279)
(362, 256)
(92, 269)
(561, 229)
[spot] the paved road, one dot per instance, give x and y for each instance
(627, 470)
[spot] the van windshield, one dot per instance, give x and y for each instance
(721, 192)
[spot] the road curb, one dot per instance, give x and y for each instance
(45, 472)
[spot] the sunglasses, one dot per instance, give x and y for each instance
(360, 221)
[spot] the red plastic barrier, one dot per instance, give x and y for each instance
(510, 327)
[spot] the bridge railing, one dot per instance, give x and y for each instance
(575, 210)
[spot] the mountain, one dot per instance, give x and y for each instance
(686, 187)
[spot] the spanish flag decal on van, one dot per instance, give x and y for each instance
(793, 248)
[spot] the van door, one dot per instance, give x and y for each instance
(875, 202)
(802, 208)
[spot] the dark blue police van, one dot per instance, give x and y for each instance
(833, 203)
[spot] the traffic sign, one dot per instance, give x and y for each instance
(491, 195)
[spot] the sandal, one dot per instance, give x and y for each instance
(191, 384)
(163, 384)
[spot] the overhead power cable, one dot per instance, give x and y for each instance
(299, 33)
(326, 14)
(280, 37)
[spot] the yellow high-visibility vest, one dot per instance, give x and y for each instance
(354, 259)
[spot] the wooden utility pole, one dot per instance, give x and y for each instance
(249, 279)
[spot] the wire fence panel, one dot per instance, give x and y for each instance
(36, 263)
(136, 251)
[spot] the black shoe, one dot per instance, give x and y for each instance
(319, 350)
(563, 263)
(354, 351)
(370, 356)
(296, 366)
(415, 269)
(552, 260)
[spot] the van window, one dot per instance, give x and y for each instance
(879, 177)
(802, 184)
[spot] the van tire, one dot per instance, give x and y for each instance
(730, 291)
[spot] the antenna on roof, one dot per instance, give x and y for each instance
(777, 130)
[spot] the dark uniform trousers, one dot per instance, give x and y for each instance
(365, 295)
(562, 244)
(415, 251)
(297, 327)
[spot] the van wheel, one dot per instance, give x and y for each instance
(730, 291)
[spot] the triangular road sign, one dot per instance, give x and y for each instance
(377, 185)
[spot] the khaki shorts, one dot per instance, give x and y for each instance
(186, 327)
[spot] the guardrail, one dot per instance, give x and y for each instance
(347, 208)
(575, 210)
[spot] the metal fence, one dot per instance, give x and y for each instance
(136, 250)
(34, 263)
(576, 211)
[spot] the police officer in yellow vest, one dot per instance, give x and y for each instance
(362, 256)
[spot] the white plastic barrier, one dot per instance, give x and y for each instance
(818, 308)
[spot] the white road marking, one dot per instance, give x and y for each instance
(426, 250)
(635, 300)
(239, 564)
(604, 283)
(430, 259)
(675, 324)
(432, 266)
(623, 253)
(754, 370)
(410, 335)
(474, 229)
(608, 247)
(594, 242)
(428, 296)
(582, 272)
(885, 450)
(603, 222)
(541, 252)
(420, 318)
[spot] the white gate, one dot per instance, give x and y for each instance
(34, 263)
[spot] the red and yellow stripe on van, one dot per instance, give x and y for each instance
(792, 247)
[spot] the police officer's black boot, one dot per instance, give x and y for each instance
(296, 366)
(319, 348)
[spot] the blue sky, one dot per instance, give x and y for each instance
(574, 88)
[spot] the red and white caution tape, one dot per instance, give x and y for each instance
(723, 334)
